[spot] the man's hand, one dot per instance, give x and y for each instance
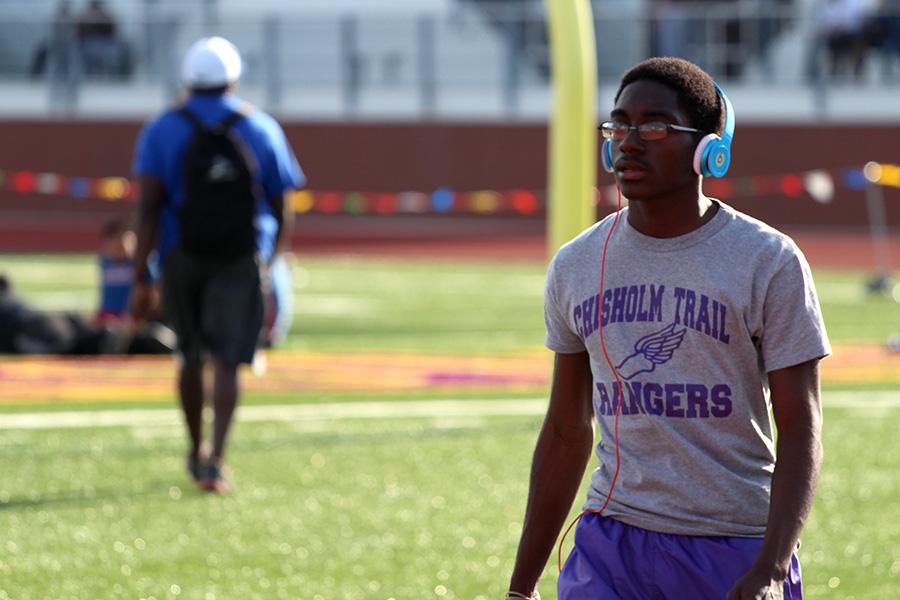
(144, 295)
(144, 301)
(265, 273)
(798, 417)
(562, 453)
(512, 595)
(756, 585)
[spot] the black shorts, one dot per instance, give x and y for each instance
(214, 306)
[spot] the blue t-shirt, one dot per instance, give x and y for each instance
(115, 285)
(160, 153)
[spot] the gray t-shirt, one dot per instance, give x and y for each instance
(692, 325)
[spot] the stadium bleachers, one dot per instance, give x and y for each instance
(408, 59)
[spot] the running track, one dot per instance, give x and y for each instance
(49, 380)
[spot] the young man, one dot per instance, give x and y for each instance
(213, 175)
(709, 319)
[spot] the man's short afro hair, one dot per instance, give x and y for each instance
(696, 92)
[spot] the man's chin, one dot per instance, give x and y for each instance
(637, 190)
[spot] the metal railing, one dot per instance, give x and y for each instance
(480, 59)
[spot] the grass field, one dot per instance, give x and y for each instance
(381, 504)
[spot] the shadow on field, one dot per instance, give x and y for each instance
(159, 488)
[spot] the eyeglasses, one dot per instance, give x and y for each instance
(654, 130)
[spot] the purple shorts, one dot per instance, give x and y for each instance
(615, 561)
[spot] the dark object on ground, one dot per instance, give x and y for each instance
(26, 330)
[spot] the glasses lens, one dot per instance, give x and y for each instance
(613, 130)
(608, 129)
(653, 131)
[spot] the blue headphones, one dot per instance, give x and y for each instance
(713, 154)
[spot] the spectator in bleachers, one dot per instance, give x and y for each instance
(890, 15)
(842, 35)
(103, 51)
(883, 33)
(57, 53)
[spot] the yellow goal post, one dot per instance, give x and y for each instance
(572, 159)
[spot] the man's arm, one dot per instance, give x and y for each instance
(284, 215)
(149, 212)
(798, 417)
(562, 453)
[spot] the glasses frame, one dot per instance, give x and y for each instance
(609, 134)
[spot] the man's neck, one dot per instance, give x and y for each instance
(671, 216)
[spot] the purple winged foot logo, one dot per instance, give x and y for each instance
(651, 350)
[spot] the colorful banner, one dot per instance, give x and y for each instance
(818, 184)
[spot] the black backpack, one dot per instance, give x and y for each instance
(218, 214)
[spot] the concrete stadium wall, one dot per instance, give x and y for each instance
(399, 157)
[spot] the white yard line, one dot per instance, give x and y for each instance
(281, 412)
(358, 410)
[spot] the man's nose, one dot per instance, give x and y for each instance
(632, 142)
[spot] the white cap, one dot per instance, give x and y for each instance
(211, 62)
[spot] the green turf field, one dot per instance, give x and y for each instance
(346, 303)
(385, 506)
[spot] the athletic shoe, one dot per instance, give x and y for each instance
(212, 479)
(196, 468)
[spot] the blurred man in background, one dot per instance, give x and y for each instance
(213, 172)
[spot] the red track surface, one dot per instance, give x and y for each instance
(451, 237)
(824, 249)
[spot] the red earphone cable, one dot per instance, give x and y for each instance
(618, 381)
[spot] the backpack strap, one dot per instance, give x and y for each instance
(222, 127)
(232, 119)
(194, 119)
